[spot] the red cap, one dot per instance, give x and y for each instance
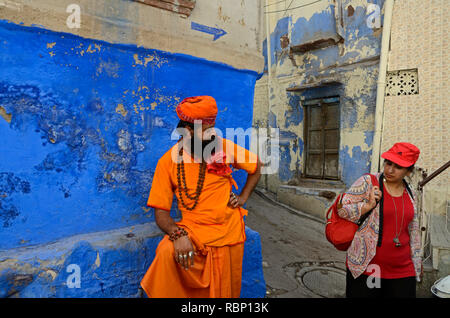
(402, 153)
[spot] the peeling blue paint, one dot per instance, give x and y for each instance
(281, 29)
(368, 140)
(286, 137)
(294, 115)
(354, 166)
(272, 119)
(321, 25)
(284, 171)
(301, 146)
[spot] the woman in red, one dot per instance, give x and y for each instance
(384, 258)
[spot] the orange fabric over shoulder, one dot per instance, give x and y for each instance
(212, 221)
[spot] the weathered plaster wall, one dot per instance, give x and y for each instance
(85, 115)
(303, 66)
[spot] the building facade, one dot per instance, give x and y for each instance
(319, 90)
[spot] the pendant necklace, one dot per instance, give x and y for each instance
(397, 234)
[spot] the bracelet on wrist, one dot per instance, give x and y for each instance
(179, 232)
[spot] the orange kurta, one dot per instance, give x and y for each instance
(216, 230)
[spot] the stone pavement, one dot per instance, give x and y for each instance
(298, 261)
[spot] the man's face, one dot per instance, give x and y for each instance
(203, 135)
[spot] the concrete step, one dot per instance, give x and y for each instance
(312, 198)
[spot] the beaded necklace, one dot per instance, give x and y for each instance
(181, 180)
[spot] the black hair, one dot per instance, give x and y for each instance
(185, 124)
(410, 168)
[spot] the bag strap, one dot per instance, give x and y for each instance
(381, 215)
(408, 189)
(330, 209)
(375, 182)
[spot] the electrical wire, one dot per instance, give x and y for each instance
(288, 9)
(268, 5)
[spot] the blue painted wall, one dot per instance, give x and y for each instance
(71, 162)
(89, 121)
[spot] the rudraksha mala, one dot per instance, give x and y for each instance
(181, 181)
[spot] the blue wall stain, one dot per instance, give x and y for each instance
(354, 166)
(294, 115)
(272, 120)
(264, 52)
(301, 146)
(97, 164)
(368, 140)
(281, 29)
(284, 171)
(286, 137)
(321, 25)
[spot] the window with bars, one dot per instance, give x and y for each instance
(322, 132)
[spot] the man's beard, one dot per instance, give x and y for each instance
(210, 145)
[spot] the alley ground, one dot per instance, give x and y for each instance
(298, 261)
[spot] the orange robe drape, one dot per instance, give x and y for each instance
(216, 272)
(216, 230)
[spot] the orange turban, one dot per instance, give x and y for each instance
(202, 108)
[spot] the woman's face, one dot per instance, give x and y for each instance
(393, 172)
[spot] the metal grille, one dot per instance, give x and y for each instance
(403, 82)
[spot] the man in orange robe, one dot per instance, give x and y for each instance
(201, 255)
